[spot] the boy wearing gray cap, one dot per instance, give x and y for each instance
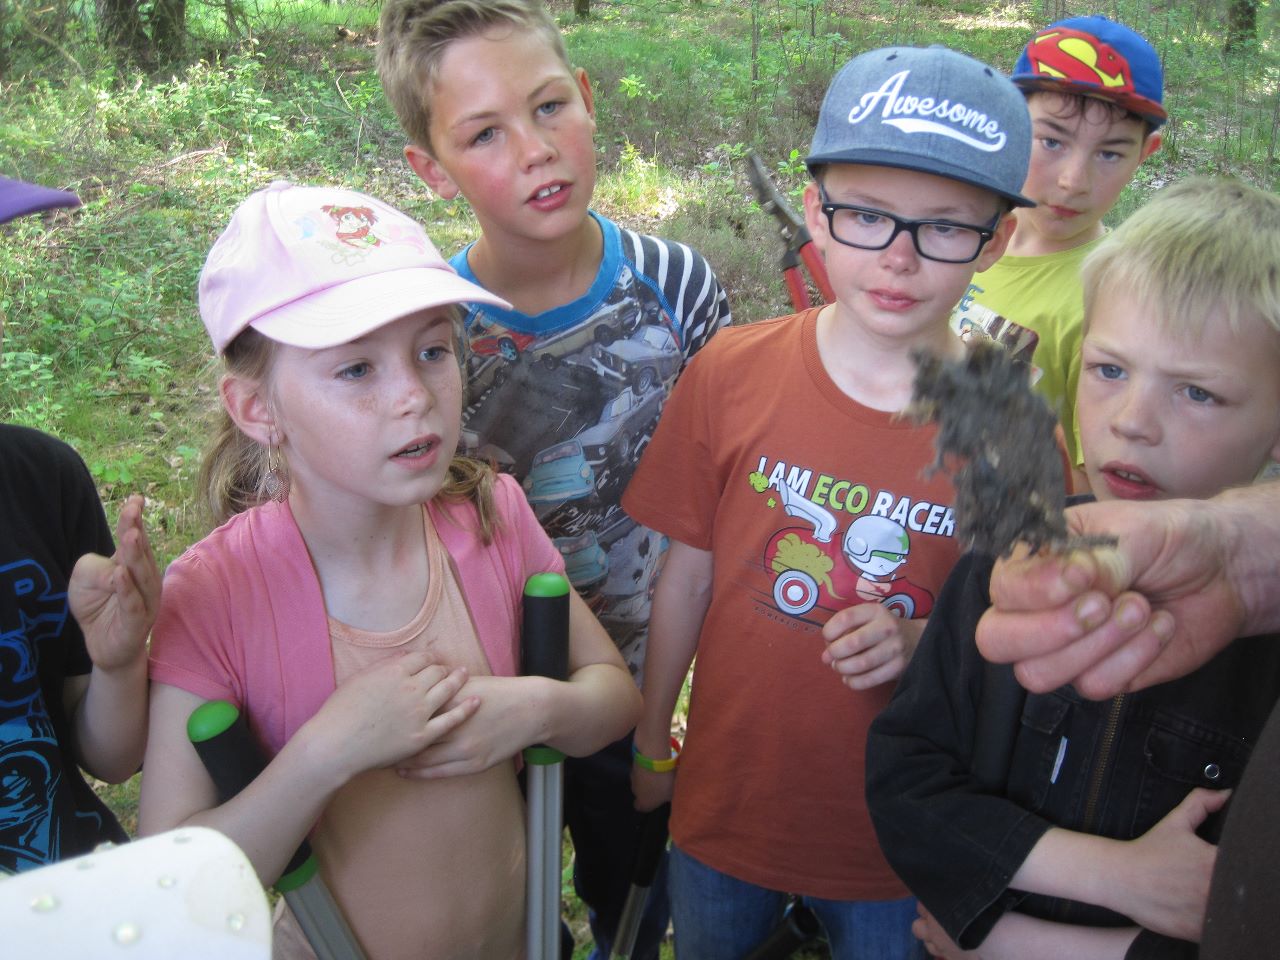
(806, 546)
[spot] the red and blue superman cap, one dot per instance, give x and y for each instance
(1095, 57)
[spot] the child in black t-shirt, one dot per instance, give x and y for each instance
(75, 612)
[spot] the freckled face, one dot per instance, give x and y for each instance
(512, 129)
(1166, 416)
(374, 420)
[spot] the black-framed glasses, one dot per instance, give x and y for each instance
(870, 229)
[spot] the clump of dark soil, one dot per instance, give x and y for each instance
(997, 439)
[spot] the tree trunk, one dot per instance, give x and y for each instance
(1242, 23)
(146, 33)
(168, 28)
(1053, 10)
(120, 27)
(582, 9)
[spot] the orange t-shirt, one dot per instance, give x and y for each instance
(809, 502)
(422, 868)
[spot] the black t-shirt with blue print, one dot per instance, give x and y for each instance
(50, 516)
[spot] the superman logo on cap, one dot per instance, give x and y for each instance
(1078, 57)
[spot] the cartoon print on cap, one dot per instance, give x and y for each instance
(355, 225)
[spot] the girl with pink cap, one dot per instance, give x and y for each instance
(361, 600)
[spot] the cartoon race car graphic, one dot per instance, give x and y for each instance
(814, 568)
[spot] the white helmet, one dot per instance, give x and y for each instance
(876, 545)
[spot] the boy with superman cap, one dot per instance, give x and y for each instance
(1094, 91)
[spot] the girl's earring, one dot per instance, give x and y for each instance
(276, 483)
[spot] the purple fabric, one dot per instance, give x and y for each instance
(17, 199)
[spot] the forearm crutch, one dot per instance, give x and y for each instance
(545, 653)
(799, 927)
(653, 842)
(221, 737)
(795, 235)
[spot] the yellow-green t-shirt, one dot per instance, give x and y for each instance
(1035, 307)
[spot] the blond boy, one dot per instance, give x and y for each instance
(565, 388)
(1094, 847)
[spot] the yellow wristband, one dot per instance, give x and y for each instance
(657, 766)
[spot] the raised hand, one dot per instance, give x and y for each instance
(115, 599)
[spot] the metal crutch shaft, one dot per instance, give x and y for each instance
(544, 652)
(228, 751)
(653, 843)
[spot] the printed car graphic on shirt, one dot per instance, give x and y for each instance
(559, 473)
(605, 327)
(647, 358)
(634, 563)
(624, 426)
(585, 562)
(507, 345)
(815, 569)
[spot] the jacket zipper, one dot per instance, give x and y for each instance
(1066, 907)
(1104, 758)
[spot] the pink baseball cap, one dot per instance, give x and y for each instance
(318, 266)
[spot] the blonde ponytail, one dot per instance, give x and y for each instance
(235, 467)
(471, 480)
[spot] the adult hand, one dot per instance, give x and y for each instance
(1106, 620)
(115, 599)
(867, 645)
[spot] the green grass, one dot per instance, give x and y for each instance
(102, 343)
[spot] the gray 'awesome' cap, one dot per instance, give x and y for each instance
(932, 110)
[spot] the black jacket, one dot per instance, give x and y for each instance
(1111, 768)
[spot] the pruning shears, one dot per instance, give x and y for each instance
(800, 252)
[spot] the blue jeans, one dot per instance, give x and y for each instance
(600, 813)
(718, 917)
